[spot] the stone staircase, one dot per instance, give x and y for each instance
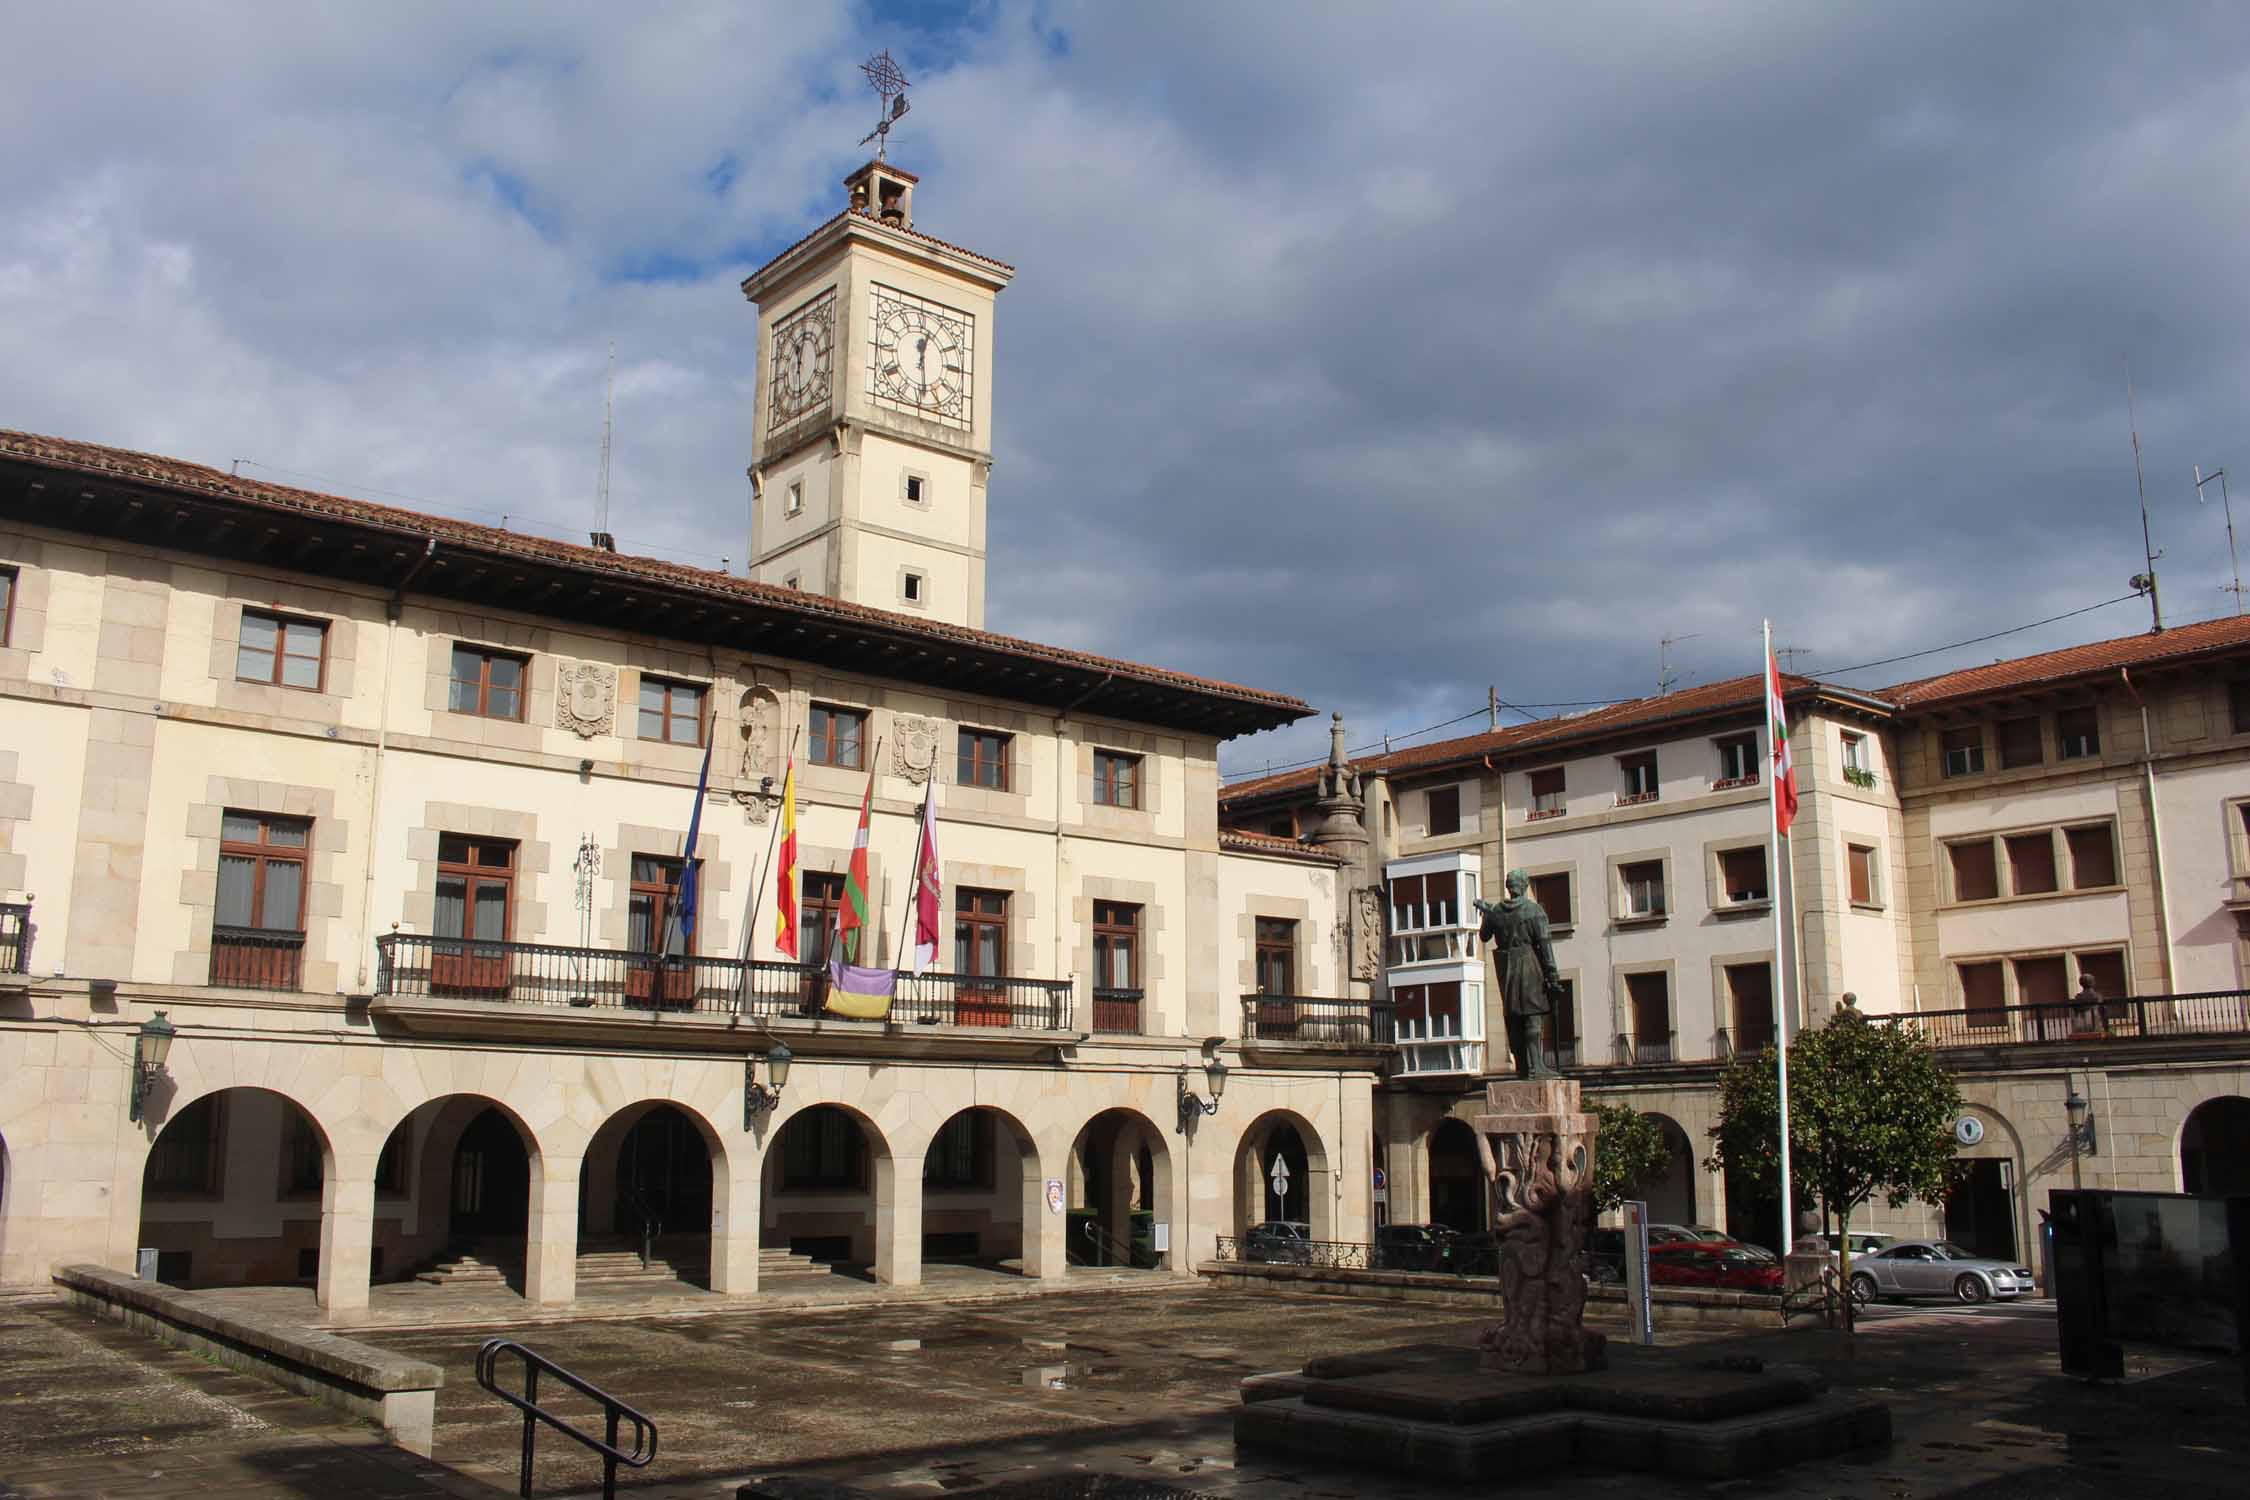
(615, 1261)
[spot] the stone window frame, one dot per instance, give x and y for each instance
(1568, 869)
(1150, 959)
(613, 921)
(2236, 811)
(1013, 801)
(1621, 1000)
(443, 630)
(683, 668)
(2008, 958)
(289, 601)
(1615, 870)
(909, 573)
(1878, 872)
(1115, 740)
(1714, 878)
(1573, 977)
(906, 494)
(15, 812)
(527, 917)
(26, 634)
(1722, 994)
(1278, 909)
(318, 972)
(836, 859)
(1023, 906)
(1430, 796)
(281, 620)
(2004, 879)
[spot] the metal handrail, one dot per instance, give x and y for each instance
(1117, 1010)
(644, 1430)
(2128, 1017)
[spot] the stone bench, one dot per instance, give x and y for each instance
(394, 1392)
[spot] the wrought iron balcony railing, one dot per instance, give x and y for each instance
(1640, 1050)
(15, 937)
(257, 958)
(421, 966)
(1318, 1018)
(2206, 1013)
(1117, 1012)
(1745, 1041)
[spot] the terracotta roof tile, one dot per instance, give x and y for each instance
(1245, 841)
(2095, 658)
(179, 474)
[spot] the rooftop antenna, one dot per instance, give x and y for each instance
(889, 83)
(1665, 676)
(1787, 656)
(2202, 479)
(2142, 583)
(602, 538)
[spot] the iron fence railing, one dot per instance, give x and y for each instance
(15, 937)
(257, 958)
(1641, 1050)
(1318, 1018)
(980, 1000)
(1255, 1248)
(1744, 1041)
(1117, 1011)
(2205, 1013)
(422, 966)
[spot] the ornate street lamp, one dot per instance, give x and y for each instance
(1191, 1107)
(151, 1045)
(756, 1097)
(2074, 1105)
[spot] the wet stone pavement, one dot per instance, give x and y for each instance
(1088, 1395)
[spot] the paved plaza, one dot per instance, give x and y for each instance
(1049, 1395)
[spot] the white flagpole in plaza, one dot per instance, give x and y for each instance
(1778, 768)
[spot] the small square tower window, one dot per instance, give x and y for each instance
(912, 587)
(793, 498)
(914, 489)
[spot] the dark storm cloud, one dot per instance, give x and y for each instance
(1351, 347)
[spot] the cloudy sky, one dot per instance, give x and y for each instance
(1376, 354)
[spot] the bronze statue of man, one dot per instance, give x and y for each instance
(1524, 960)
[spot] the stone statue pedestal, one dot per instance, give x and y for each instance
(1538, 1149)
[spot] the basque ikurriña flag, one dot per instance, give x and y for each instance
(1784, 770)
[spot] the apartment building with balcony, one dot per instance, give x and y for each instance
(1969, 849)
(386, 814)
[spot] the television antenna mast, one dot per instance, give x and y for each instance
(2202, 479)
(888, 81)
(2142, 583)
(601, 536)
(1665, 676)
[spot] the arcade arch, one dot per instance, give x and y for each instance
(1460, 1198)
(1290, 1138)
(232, 1191)
(2215, 1148)
(655, 1174)
(1120, 1178)
(827, 1178)
(983, 1193)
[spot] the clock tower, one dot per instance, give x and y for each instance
(872, 436)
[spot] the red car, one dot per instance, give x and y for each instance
(1724, 1266)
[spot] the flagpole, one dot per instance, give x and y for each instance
(1775, 708)
(672, 927)
(914, 868)
(758, 891)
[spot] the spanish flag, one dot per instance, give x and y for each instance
(785, 882)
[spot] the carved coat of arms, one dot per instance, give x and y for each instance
(914, 743)
(586, 699)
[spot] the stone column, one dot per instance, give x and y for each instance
(1046, 1236)
(898, 1220)
(737, 1180)
(550, 1246)
(347, 1234)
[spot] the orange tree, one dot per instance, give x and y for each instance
(1871, 1111)
(1629, 1150)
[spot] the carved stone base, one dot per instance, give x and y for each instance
(1538, 1148)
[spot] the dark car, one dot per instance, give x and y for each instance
(1279, 1242)
(1605, 1255)
(1476, 1253)
(1722, 1267)
(1412, 1247)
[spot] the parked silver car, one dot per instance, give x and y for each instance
(1935, 1268)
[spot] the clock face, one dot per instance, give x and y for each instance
(922, 359)
(804, 361)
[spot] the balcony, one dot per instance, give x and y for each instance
(15, 937)
(445, 979)
(257, 958)
(1117, 1012)
(1325, 1022)
(1745, 1041)
(2210, 1013)
(1646, 1049)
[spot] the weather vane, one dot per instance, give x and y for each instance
(889, 84)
